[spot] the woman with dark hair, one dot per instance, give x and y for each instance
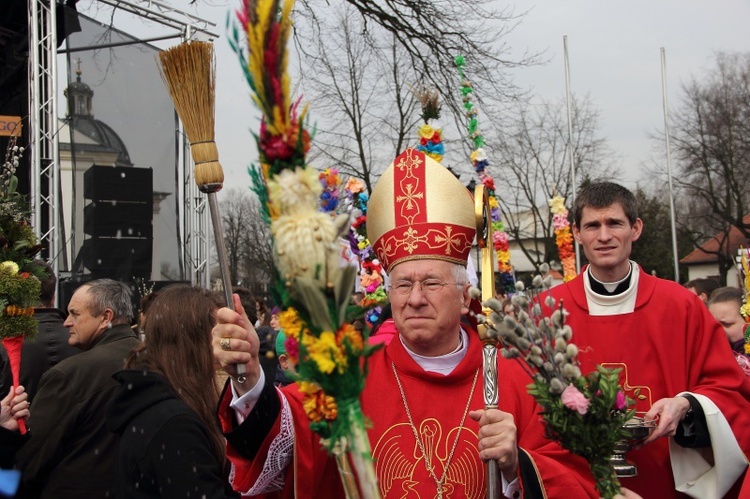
(170, 442)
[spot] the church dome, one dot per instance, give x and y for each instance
(104, 135)
(81, 118)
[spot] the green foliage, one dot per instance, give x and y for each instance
(19, 289)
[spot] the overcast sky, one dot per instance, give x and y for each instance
(614, 55)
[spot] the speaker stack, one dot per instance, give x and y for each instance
(118, 220)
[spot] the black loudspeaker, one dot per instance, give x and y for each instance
(119, 183)
(116, 219)
(119, 221)
(120, 259)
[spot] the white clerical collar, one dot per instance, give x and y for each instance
(443, 364)
(623, 303)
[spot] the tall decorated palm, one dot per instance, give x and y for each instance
(329, 353)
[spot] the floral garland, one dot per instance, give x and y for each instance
(330, 182)
(355, 204)
(745, 309)
(479, 160)
(371, 271)
(584, 413)
(330, 355)
(563, 237)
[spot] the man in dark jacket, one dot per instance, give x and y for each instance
(50, 345)
(70, 451)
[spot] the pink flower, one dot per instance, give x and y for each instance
(575, 400)
(620, 402)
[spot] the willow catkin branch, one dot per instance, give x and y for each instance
(189, 71)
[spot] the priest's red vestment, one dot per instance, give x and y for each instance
(668, 345)
(437, 403)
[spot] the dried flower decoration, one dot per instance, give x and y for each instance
(481, 163)
(563, 237)
(328, 352)
(584, 413)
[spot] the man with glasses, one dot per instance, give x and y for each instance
(430, 432)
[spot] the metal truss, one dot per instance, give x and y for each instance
(44, 147)
(44, 150)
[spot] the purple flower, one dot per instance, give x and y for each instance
(573, 399)
(620, 401)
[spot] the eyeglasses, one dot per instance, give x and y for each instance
(428, 286)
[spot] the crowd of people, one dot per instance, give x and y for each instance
(124, 412)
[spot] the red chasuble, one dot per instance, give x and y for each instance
(437, 404)
(668, 345)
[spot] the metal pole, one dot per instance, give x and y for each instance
(570, 142)
(669, 162)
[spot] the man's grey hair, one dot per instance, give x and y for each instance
(115, 295)
(459, 274)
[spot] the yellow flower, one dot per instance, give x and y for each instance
(557, 204)
(327, 354)
(426, 131)
(478, 155)
(745, 310)
(308, 387)
(493, 202)
(10, 265)
(290, 322)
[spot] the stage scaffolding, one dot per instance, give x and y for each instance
(195, 233)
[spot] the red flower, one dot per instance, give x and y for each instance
(274, 147)
(24, 275)
(423, 141)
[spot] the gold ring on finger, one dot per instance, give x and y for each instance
(225, 345)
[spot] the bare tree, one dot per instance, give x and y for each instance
(531, 165)
(711, 140)
(358, 85)
(247, 239)
(432, 33)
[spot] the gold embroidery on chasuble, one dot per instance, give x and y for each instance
(641, 394)
(401, 467)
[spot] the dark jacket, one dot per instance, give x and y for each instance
(41, 353)
(71, 452)
(164, 449)
(267, 350)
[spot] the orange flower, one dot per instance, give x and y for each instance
(317, 404)
(349, 333)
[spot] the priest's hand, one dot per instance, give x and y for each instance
(670, 412)
(14, 407)
(497, 440)
(235, 341)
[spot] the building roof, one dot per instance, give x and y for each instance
(720, 243)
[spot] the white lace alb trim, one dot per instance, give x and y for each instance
(279, 456)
